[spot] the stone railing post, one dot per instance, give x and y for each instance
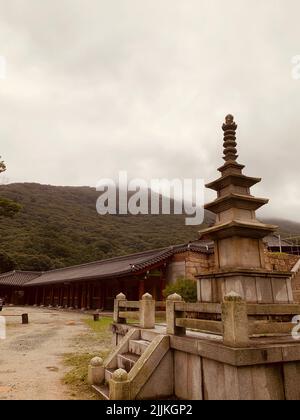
(96, 371)
(121, 297)
(119, 386)
(235, 321)
(171, 315)
(147, 312)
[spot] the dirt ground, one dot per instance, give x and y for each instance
(32, 356)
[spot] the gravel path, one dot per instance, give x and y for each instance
(31, 362)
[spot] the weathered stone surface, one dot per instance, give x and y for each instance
(235, 321)
(145, 367)
(96, 361)
(187, 376)
(120, 375)
(267, 382)
(161, 382)
(96, 371)
(119, 386)
(214, 387)
(147, 312)
(171, 315)
(123, 347)
(291, 373)
(181, 374)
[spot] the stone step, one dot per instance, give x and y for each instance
(148, 335)
(126, 361)
(102, 391)
(138, 346)
(108, 374)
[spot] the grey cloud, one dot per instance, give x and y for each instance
(95, 87)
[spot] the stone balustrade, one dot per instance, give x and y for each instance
(142, 311)
(233, 319)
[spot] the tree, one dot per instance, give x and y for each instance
(8, 208)
(6, 262)
(33, 262)
(2, 166)
(186, 288)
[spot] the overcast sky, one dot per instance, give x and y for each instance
(97, 86)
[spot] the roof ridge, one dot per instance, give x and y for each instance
(9, 273)
(119, 258)
(133, 263)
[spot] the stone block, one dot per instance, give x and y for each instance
(161, 383)
(292, 381)
(96, 371)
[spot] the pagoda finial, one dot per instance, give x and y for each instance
(229, 128)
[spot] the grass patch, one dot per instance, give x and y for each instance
(76, 377)
(101, 326)
(78, 363)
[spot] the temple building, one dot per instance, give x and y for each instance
(94, 285)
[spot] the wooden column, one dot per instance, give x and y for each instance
(88, 296)
(104, 292)
(68, 296)
(43, 297)
(36, 296)
(83, 296)
(71, 302)
(162, 285)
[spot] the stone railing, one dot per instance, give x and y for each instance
(144, 311)
(234, 320)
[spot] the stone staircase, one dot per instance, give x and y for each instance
(140, 354)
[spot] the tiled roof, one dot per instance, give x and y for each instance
(17, 278)
(113, 267)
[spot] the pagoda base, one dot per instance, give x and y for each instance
(254, 286)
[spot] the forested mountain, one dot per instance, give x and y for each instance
(59, 226)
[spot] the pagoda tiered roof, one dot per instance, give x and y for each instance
(234, 206)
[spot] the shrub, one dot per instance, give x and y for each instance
(6, 262)
(186, 288)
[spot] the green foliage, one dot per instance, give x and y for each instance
(6, 262)
(186, 288)
(29, 262)
(2, 166)
(59, 226)
(8, 208)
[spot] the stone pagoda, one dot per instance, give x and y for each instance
(238, 237)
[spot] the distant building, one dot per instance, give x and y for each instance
(95, 285)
